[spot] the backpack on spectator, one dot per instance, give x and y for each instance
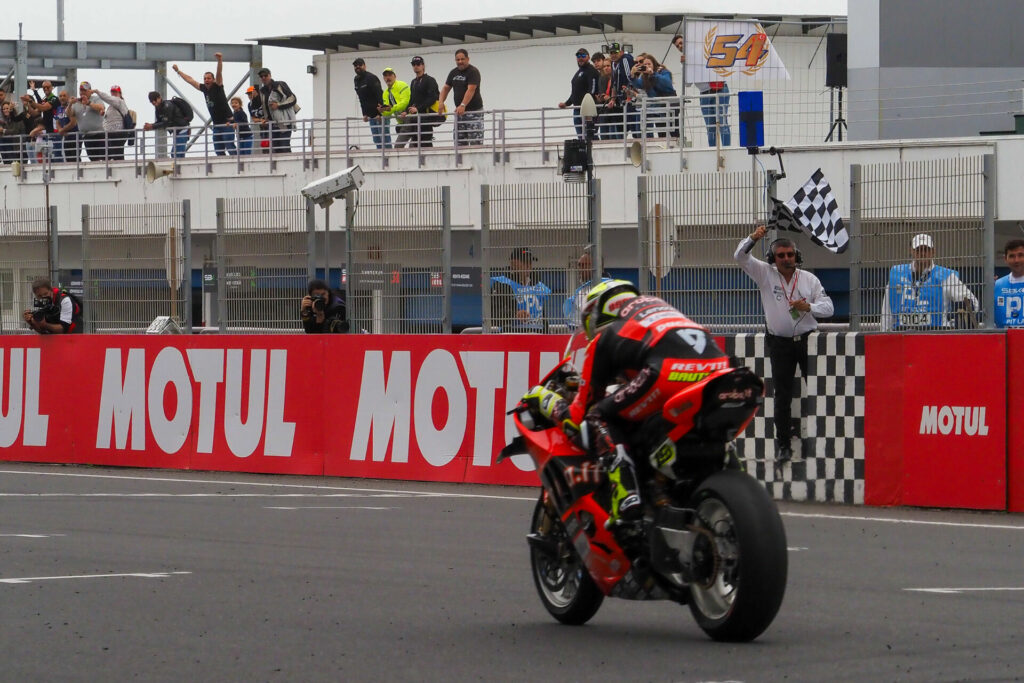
(185, 107)
(128, 120)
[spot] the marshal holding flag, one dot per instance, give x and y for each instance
(814, 211)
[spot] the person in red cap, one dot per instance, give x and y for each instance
(115, 118)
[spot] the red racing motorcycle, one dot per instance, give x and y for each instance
(711, 536)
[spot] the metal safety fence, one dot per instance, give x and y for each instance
(29, 249)
(263, 261)
(689, 227)
(923, 256)
(136, 265)
(533, 239)
(398, 275)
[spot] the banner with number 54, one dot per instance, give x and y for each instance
(719, 50)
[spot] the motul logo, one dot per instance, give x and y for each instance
(969, 420)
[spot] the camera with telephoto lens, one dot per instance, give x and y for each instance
(44, 309)
(319, 303)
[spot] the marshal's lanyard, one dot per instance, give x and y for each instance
(793, 313)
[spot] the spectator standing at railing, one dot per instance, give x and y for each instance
(281, 106)
(87, 114)
(170, 115)
(1009, 289)
(12, 133)
(583, 82)
(464, 80)
(113, 122)
(923, 295)
(369, 91)
(714, 102)
(394, 100)
(620, 98)
(606, 113)
(33, 126)
(517, 300)
(423, 106)
(44, 106)
(212, 88)
(793, 300)
(64, 148)
(241, 126)
(655, 81)
(257, 119)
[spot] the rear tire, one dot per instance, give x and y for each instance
(740, 561)
(564, 586)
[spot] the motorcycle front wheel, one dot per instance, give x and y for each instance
(739, 558)
(564, 586)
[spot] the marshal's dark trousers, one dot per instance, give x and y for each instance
(785, 354)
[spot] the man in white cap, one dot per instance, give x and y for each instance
(922, 295)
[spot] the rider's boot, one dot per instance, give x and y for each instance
(626, 503)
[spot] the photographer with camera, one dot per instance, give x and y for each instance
(323, 311)
(655, 81)
(54, 310)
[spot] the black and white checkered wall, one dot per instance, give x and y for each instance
(828, 463)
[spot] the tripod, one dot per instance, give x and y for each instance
(835, 114)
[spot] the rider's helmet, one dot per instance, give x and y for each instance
(603, 304)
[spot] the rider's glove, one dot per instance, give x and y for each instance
(542, 400)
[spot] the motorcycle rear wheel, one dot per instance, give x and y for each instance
(565, 588)
(740, 562)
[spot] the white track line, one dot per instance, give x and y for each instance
(427, 494)
(955, 591)
(141, 575)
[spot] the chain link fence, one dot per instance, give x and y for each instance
(264, 260)
(689, 226)
(136, 265)
(27, 236)
(532, 239)
(398, 274)
(924, 259)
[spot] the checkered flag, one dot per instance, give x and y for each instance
(815, 208)
(782, 218)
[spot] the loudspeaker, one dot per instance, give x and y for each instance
(835, 60)
(155, 171)
(771, 251)
(636, 153)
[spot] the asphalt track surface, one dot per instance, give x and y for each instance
(115, 574)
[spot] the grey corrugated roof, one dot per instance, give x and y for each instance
(503, 28)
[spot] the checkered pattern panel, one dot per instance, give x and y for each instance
(828, 462)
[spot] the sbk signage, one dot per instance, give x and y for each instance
(424, 408)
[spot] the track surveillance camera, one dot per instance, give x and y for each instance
(326, 190)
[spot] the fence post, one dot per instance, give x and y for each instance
(350, 285)
(446, 258)
(87, 286)
(222, 303)
(485, 248)
(186, 246)
(988, 223)
(641, 231)
(594, 228)
(856, 246)
(311, 242)
(54, 247)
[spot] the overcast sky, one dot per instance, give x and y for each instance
(195, 21)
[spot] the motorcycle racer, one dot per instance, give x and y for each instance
(652, 351)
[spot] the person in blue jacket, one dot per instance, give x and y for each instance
(923, 295)
(1009, 308)
(517, 300)
(655, 81)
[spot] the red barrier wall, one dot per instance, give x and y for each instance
(935, 421)
(428, 408)
(1015, 418)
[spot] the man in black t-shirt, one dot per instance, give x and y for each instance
(464, 79)
(212, 88)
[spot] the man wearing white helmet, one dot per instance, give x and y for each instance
(639, 338)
